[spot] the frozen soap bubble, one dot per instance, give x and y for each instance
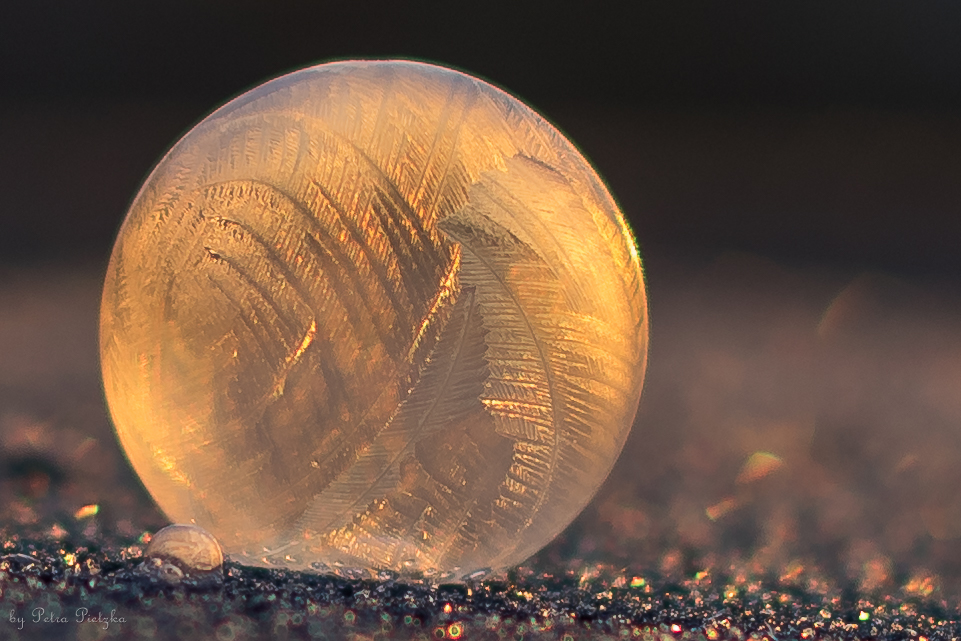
(377, 315)
(179, 551)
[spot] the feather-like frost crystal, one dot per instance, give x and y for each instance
(374, 314)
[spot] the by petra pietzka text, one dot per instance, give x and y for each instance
(40, 616)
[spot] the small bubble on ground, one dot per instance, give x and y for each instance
(177, 551)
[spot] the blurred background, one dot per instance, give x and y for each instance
(792, 171)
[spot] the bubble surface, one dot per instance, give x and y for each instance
(179, 550)
(374, 315)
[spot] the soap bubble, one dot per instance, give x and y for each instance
(179, 551)
(374, 314)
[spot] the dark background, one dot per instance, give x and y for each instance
(804, 130)
(791, 170)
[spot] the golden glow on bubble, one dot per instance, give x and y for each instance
(375, 314)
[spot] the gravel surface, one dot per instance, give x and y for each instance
(792, 474)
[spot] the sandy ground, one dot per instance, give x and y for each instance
(795, 419)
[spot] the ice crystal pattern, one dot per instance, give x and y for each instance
(377, 315)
